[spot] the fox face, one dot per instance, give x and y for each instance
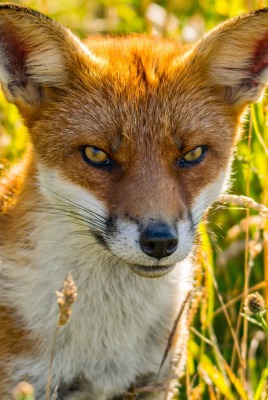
(144, 179)
(145, 169)
(131, 141)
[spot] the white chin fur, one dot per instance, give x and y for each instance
(152, 271)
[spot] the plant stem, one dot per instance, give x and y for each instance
(52, 355)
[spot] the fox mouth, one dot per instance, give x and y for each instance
(151, 271)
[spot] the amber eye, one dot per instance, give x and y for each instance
(194, 154)
(193, 157)
(95, 156)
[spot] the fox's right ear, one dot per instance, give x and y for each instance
(234, 57)
(36, 53)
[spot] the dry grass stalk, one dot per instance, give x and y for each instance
(244, 341)
(169, 389)
(55, 394)
(173, 331)
(247, 202)
(228, 319)
(65, 299)
(244, 201)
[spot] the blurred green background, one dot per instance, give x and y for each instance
(235, 245)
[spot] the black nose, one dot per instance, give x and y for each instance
(158, 240)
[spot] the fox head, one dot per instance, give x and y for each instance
(132, 136)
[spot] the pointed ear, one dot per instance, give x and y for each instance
(35, 55)
(235, 57)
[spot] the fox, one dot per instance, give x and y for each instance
(131, 140)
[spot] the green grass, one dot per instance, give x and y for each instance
(227, 355)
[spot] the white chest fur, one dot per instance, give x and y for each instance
(120, 322)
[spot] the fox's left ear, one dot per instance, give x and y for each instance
(235, 57)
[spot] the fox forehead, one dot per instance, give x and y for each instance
(151, 56)
(140, 90)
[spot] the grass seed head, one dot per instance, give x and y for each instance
(254, 304)
(65, 299)
(23, 391)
